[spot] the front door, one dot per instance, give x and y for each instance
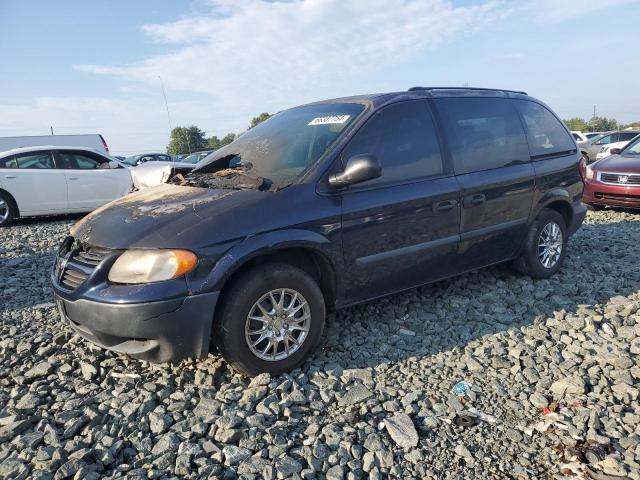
(401, 229)
(491, 159)
(90, 179)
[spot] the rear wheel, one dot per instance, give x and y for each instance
(270, 320)
(545, 247)
(8, 210)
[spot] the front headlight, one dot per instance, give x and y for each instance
(145, 266)
(590, 172)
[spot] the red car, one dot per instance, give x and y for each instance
(614, 180)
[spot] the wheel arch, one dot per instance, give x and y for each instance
(308, 251)
(560, 201)
(12, 200)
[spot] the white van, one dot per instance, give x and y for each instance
(94, 141)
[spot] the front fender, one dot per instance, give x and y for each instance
(257, 245)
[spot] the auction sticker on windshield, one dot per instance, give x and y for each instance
(332, 119)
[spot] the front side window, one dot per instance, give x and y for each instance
(483, 133)
(604, 140)
(39, 160)
(284, 147)
(80, 161)
(403, 139)
(9, 162)
(546, 134)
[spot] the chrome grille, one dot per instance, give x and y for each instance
(73, 278)
(91, 255)
(618, 178)
(76, 261)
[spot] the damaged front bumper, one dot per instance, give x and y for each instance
(160, 331)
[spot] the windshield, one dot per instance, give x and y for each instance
(282, 148)
(633, 148)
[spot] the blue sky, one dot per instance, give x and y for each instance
(94, 66)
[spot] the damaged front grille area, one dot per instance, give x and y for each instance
(76, 262)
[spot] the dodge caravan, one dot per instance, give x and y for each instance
(322, 206)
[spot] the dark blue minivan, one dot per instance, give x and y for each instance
(322, 206)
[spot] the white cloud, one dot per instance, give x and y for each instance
(554, 11)
(253, 55)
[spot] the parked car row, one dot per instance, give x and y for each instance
(600, 145)
(48, 180)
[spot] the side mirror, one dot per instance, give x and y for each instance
(360, 168)
(615, 151)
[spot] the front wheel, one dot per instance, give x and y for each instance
(545, 247)
(8, 210)
(270, 320)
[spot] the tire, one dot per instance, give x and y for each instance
(530, 261)
(594, 207)
(240, 299)
(8, 210)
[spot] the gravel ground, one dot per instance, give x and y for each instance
(551, 371)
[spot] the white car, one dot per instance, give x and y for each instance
(579, 136)
(48, 180)
(605, 150)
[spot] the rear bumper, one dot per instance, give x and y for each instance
(615, 195)
(579, 211)
(161, 331)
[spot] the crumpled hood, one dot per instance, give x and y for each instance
(166, 216)
(618, 164)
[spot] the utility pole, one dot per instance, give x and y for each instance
(595, 111)
(166, 104)
(51, 127)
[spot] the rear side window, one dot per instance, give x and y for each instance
(547, 136)
(483, 133)
(35, 160)
(626, 136)
(402, 137)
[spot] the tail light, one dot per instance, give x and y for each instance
(106, 147)
(582, 167)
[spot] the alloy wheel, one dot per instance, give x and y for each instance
(277, 324)
(4, 211)
(550, 245)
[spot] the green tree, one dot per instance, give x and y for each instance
(213, 143)
(603, 124)
(577, 124)
(185, 140)
(259, 119)
(632, 125)
(227, 139)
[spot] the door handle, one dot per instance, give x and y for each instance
(473, 200)
(72, 178)
(444, 206)
(9, 176)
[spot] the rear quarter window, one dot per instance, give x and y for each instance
(546, 134)
(482, 133)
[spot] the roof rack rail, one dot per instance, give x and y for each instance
(415, 89)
